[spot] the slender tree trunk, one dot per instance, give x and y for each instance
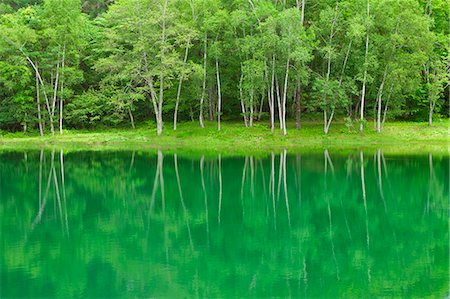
(302, 15)
(261, 105)
(180, 82)
(280, 109)
(297, 105)
(430, 98)
(363, 92)
(251, 108)
(272, 96)
(326, 122)
(244, 112)
(380, 96)
(61, 97)
(47, 102)
(430, 115)
(41, 129)
(219, 95)
(161, 75)
(131, 117)
(285, 95)
(55, 96)
(204, 84)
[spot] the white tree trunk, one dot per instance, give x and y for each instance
(363, 92)
(180, 82)
(219, 96)
(204, 84)
(41, 130)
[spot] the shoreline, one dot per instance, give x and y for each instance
(235, 138)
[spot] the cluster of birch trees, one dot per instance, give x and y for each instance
(79, 64)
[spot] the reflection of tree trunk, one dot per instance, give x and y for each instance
(328, 160)
(430, 181)
(244, 171)
(202, 160)
(132, 161)
(63, 185)
(155, 187)
(220, 186)
(272, 188)
(363, 187)
(163, 201)
(252, 177)
(280, 175)
(286, 199)
(185, 212)
(38, 217)
(330, 219)
(55, 180)
(263, 179)
(41, 156)
(380, 181)
(298, 172)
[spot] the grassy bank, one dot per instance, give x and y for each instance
(398, 137)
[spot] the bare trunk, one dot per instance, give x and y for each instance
(284, 96)
(363, 92)
(326, 122)
(55, 97)
(131, 117)
(430, 116)
(47, 102)
(261, 105)
(280, 109)
(297, 106)
(302, 16)
(251, 108)
(204, 84)
(180, 82)
(41, 129)
(219, 96)
(380, 97)
(61, 97)
(161, 74)
(272, 97)
(244, 112)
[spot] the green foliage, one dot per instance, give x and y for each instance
(113, 50)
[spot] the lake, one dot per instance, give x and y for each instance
(323, 224)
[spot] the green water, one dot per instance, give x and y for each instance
(139, 224)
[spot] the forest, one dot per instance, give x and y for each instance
(71, 64)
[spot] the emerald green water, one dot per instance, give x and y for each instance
(139, 224)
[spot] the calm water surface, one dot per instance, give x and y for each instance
(140, 224)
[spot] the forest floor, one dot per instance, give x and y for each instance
(234, 138)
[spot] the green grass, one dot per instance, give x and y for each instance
(234, 138)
